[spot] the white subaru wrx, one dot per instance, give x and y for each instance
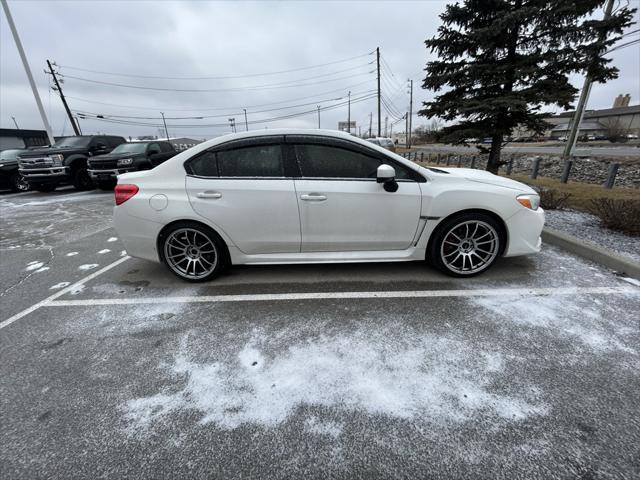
(314, 196)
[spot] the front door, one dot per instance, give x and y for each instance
(343, 208)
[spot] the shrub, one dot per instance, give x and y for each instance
(623, 215)
(552, 199)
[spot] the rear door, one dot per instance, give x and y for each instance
(343, 208)
(242, 187)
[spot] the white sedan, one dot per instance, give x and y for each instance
(314, 196)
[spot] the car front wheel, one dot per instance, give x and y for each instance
(193, 252)
(466, 245)
(18, 183)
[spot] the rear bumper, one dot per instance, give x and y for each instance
(524, 229)
(138, 235)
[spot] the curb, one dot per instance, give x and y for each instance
(591, 252)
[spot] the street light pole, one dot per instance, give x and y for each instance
(318, 116)
(246, 124)
(349, 114)
(15, 123)
(32, 83)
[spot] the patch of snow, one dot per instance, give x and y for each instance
(319, 427)
(123, 253)
(630, 280)
(88, 266)
(34, 266)
(59, 285)
(43, 269)
(77, 289)
(71, 254)
(431, 378)
(103, 251)
(112, 239)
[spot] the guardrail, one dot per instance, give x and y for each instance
(479, 161)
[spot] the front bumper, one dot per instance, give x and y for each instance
(45, 174)
(107, 174)
(524, 229)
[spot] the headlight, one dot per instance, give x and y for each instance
(529, 201)
(56, 158)
(125, 161)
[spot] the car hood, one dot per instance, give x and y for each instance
(39, 152)
(482, 176)
(115, 156)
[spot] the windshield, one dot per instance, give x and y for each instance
(9, 154)
(72, 142)
(130, 148)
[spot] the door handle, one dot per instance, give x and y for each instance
(209, 195)
(313, 197)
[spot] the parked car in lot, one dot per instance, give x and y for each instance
(383, 142)
(9, 175)
(65, 161)
(128, 157)
(314, 196)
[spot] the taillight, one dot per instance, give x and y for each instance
(124, 192)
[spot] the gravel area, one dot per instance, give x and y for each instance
(587, 227)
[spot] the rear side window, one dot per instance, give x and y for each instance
(204, 165)
(254, 161)
(166, 147)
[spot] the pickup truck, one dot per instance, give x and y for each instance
(9, 176)
(128, 157)
(64, 162)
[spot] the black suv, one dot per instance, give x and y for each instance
(65, 161)
(128, 157)
(9, 175)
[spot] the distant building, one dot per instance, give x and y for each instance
(19, 138)
(607, 121)
(622, 101)
(179, 143)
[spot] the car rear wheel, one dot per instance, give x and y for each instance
(193, 252)
(466, 245)
(18, 183)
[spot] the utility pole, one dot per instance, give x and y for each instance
(15, 123)
(78, 123)
(318, 116)
(386, 123)
(410, 112)
(378, 65)
(25, 64)
(166, 132)
(246, 124)
(584, 97)
(64, 100)
(232, 122)
(349, 114)
(406, 132)
(370, 123)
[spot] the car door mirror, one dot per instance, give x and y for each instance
(386, 175)
(153, 152)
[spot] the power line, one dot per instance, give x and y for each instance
(224, 77)
(233, 89)
(238, 112)
(208, 109)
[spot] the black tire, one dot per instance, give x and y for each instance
(44, 187)
(81, 179)
(106, 185)
(452, 259)
(204, 252)
(18, 183)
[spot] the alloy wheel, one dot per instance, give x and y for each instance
(190, 253)
(469, 247)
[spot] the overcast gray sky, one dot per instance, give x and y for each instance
(187, 40)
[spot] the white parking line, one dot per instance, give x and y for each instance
(261, 297)
(51, 298)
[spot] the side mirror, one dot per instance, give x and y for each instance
(153, 152)
(100, 146)
(386, 175)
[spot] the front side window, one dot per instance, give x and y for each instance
(323, 161)
(254, 161)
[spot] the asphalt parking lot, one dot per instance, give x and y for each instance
(112, 367)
